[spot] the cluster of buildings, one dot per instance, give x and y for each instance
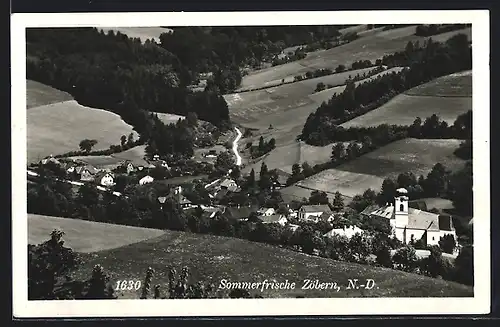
(408, 224)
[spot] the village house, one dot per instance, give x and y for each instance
(410, 224)
(229, 185)
(86, 173)
(348, 232)
(274, 219)
(146, 180)
(315, 213)
(104, 178)
(50, 159)
(181, 199)
(240, 212)
(266, 211)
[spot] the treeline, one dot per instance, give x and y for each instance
(262, 148)
(425, 63)
(205, 49)
(433, 29)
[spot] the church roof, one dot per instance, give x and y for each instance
(418, 219)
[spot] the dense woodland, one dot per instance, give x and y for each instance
(424, 64)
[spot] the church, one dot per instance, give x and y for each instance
(409, 224)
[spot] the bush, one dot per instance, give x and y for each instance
(406, 259)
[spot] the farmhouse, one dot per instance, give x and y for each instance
(104, 178)
(50, 159)
(410, 224)
(274, 219)
(181, 199)
(315, 213)
(240, 212)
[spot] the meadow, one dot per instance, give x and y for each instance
(38, 94)
(370, 47)
(143, 33)
(87, 236)
(213, 258)
(59, 127)
(135, 155)
(369, 170)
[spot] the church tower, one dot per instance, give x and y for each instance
(401, 208)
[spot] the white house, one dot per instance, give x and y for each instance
(315, 213)
(266, 211)
(104, 178)
(146, 180)
(229, 184)
(413, 224)
(347, 232)
(274, 219)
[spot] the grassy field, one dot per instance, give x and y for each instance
(447, 96)
(370, 47)
(59, 127)
(403, 109)
(86, 236)
(453, 85)
(38, 94)
(135, 154)
(212, 258)
(168, 118)
(369, 170)
(144, 33)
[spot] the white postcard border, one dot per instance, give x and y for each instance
(479, 304)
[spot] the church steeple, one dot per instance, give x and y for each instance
(401, 208)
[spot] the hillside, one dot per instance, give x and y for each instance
(38, 94)
(86, 236)
(369, 170)
(213, 258)
(59, 127)
(370, 47)
(447, 96)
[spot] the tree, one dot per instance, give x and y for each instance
(447, 243)
(464, 266)
(406, 258)
(224, 162)
(130, 139)
(338, 152)
(251, 179)
(192, 119)
(123, 140)
(307, 169)
(320, 87)
(318, 197)
(48, 264)
(261, 144)
(388, 191)
(87, 145)
(264, 177)
(338, 202)
(98, 285)
(434, 264)
(436, 181)
(384, 257)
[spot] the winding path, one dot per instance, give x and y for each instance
(235, 147)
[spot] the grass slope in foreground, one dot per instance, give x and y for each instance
(86, 236)
(369, 170)
(213, 258)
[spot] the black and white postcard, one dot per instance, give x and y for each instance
(250, 164)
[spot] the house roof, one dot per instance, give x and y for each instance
(418, 204)
(271, 218)
(386, 211)
(371, 208)
(418, 219)
(241, 212)
(101, 174)
(221, 194)
(282, 176)
(316, 208)
(89, 168)
(162, 199)
(227, 182)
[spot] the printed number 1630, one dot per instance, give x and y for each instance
(129, 285)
